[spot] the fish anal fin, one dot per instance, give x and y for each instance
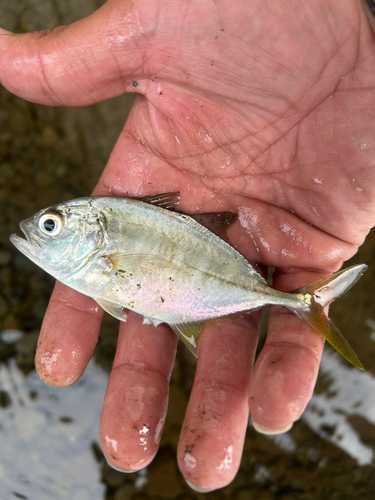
(217, 222)
(192, 333)
(113, 309)
(164, 200)
(188, 333)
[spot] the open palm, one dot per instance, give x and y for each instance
(261, 108)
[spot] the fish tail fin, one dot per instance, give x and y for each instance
(322, 293)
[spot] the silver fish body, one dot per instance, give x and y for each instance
(131, 254)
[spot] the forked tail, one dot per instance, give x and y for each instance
(323, 292)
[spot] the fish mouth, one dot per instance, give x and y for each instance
(21, 244)
(27, 245)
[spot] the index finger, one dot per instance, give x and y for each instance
(68, 336)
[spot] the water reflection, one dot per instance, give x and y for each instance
(336, 414)
(46, 436)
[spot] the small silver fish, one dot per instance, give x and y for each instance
(172, 268)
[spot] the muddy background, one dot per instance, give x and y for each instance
(49, 437)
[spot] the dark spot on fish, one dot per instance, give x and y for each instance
(161, 299)
(160, 93)
(134, 84)
(66, 420)
(19, 495)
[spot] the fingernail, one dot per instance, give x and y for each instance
(5, 32)
(271, 432)
(197, 488)
(121, 470)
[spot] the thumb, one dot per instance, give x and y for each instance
(91, 60)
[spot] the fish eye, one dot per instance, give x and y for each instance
(50, 224)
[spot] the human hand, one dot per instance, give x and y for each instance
(262, 110)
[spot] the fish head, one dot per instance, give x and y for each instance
(63, 238)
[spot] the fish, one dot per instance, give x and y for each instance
(143, 255)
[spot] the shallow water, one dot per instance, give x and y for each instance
(49, 437)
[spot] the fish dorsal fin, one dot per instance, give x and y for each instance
(112, 308)
(164, 200)
(188, 333)
(217, 222)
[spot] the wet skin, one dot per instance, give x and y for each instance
(242, 107)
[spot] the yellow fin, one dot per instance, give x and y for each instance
(327, 329)
(188, 333)
(322, 293)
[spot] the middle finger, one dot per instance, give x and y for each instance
(135, 403)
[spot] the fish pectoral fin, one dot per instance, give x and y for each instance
(113, 309)
(188, 333)
(125, 263)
